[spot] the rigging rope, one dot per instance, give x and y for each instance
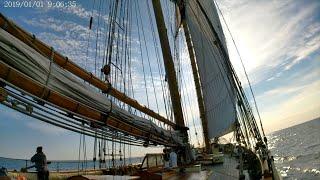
(112, 32)
(95, 151)
(89, 35)
(160, 67)
(225, 67)
(184, 84)
(85, 152)
(79, 152)
(141, 55)
(97, 40)
(180, 85)
(148, 58)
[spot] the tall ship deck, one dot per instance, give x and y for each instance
(143, 62)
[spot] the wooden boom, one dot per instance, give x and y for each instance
(70, 66)
(22, 81)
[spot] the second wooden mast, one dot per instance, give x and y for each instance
(169, 67)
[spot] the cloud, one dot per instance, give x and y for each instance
(58, 26)
(309, 47)
(76, 41)
(78, 11)
(7, 113)
(279, 43)
(289, 99)
(45, 128)
(29, 122)
(280, 91)
(302, 105)
(271, 34)
(71, 39)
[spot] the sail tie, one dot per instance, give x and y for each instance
(104, 117)
(90, 24)
(3, 94)
(33, 38)
(50, 65)
(65, 63)
(5, 25)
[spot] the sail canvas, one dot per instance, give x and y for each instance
(218, 94)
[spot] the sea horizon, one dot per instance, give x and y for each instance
(65, 160)
(313, 119)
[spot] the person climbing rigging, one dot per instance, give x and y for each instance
(40, 161)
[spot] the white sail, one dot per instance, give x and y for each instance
(218, 93)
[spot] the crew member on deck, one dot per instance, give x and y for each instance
(166, 158)
(173, 159)
(40, 161)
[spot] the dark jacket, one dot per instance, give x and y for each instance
(40, 161)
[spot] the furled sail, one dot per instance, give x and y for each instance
(28, 61)
(218, 92)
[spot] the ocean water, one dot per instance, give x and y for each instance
(17, 164)
(296, 150)
(296, 153)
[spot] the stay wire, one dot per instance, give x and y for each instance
(97, 40)
(160, 68)
(141, 55)
(148, 58)
(89, 36)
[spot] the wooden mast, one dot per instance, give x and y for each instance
(168, 64)
(197, 85)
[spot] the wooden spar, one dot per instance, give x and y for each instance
(197, 85)
(21, 81)
(168, 64)
(68, 65)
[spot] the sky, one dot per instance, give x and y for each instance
(278, 41)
